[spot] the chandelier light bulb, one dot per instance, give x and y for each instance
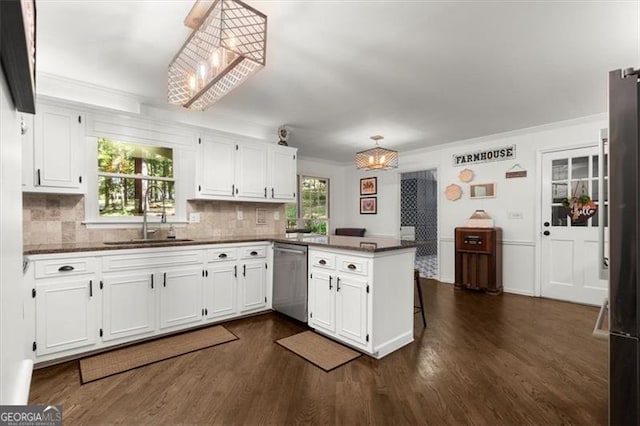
(215, 59)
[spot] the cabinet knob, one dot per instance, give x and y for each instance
(222, 255)
(322, 262)
(351, 266)
(65, 268)
(254, 253)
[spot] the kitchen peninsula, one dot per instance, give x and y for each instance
(86, 297)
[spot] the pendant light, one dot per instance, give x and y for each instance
(377, 158)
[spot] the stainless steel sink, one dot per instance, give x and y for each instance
(132, 242)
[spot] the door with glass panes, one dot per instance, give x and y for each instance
(569, 256)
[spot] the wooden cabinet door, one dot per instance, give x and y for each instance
(322, 301)
(217, 167)
(352, 309)
(251, 171)
(253, 283)
(58, 142)
(66, 311)
(221, 290)
(282, 174)
(180, 296)
(129, 304)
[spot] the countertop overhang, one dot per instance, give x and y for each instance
(363, 244)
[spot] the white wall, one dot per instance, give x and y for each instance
(520, 236)
(15, 371)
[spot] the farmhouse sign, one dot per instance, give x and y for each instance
(485, 156)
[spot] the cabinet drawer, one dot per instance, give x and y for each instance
(63, 267)
(151, 260)
(253, 252)
(323, 260)
(222, 254)
(353, 265)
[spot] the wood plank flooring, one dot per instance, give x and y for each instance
(483, 360)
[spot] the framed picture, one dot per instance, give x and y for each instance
(368, 205)
(369, 186)
(482, 190)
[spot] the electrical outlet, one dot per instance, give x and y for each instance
(194, 217)
(276, 215)
(239, 214)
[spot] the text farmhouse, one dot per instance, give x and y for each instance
(485, 155)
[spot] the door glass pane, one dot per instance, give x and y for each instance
(594, 190)
(606, 165)
(596, 217)
(606, 189)
(559, 191)
(559, 169)
(558, 216)
(594, 166)
(579, 167)
(580, 224)
(579, 188)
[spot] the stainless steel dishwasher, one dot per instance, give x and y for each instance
(290, 280)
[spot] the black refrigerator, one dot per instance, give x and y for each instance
(624, 234)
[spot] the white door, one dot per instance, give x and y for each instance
(65, 315)
(217, 167)
(129, 304)
(253, 284)
(181, 297)
(351, 309)
(220, 290)
(569, 261)
(322, 301)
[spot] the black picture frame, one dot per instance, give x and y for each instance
(18, 63)
(368, 205)
(369, 186)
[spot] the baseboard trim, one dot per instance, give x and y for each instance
(393, 344)
(20, 395)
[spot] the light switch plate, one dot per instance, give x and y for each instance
(514, 215)
(194, 217)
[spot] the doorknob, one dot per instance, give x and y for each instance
(546, 224)
(547, 233)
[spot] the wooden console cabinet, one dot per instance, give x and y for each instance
(479, 259)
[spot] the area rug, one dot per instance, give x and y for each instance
(124, 359)
(318, 350)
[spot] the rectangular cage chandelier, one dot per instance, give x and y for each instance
(377, 158)
(228, 45)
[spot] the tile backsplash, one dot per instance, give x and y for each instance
(53, 218)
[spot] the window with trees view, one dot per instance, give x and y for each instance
(126, 171)
(312, 208)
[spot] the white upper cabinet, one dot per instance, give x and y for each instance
(245, 170)
(55, 160)
(282, 173)
(216, 168)
(251, 171)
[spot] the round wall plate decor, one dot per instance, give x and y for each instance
(453, 192)
(466, 175)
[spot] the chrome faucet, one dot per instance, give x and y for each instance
(145, 200)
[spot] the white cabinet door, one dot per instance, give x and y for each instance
(251, 171)
(322, 301)
(253, 283)
(282, 173)
(217, 167)
(58, 148)
(220, 290)
(180, 296)
(351, 309)
(129, 304)
(66, 312)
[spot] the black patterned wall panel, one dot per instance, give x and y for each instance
(419, 207)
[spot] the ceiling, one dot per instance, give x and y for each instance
(421, 73)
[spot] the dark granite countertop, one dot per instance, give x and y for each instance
(363, 244)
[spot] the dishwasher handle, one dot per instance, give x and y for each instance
(288, 250)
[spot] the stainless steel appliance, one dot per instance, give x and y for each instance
(290, 280)
(624, 232)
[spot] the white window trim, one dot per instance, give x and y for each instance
(91, 209)
(299, 218)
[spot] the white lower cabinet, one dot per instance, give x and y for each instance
(66, 314)
(181, 297)
(128, 305)
(80, 302)
(364, 300)
(252, 285)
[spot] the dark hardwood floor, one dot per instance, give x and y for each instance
(485, 360)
